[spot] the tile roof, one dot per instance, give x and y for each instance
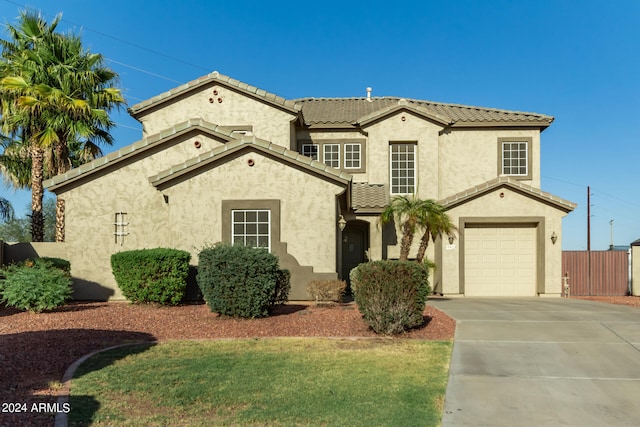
(215, 77)
(369, 196)
(354, 111)
(504, 181)
(220, 132)
(276, 150)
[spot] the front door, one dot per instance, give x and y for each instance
(354, 245)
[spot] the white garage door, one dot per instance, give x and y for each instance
(500, 261)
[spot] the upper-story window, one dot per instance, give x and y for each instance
(346, 154)
(310, 150)
(515, 157)
(352, 158)
(403, 168)
(331, 155)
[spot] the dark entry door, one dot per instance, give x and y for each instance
(353, 248)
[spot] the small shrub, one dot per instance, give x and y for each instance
(59, 263)
(326, 290)
(391, 295)
(152, 275)
(35, 288)
(240, 281)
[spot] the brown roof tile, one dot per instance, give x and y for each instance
(369, 196)
(352, 111)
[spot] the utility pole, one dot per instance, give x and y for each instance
(611, 235)
(589, 239)
(588, 218)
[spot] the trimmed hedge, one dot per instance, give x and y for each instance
(36, 287)
(391, 295)
(152, 275)
(239, 281)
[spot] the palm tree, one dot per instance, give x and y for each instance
(407, 212)
(6, 210)
(434, 222)
(56, 96)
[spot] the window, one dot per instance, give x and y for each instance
(310, 150)
(515, 158)
(332, 155)
(251, 228)
(352, 156)
(403, 168)
(120, 225)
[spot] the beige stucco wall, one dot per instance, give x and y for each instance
(91, 209)
(307, 206)
(635, 270)
(404, 127)
(268, 122)
(512, 207)
(470, 157)
(191, 218)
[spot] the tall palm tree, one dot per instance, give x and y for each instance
(406, 211)
(434, 222)
(6, 210)
(57, 95)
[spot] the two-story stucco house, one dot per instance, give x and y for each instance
(220, 160)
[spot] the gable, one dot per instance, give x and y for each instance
(512, 185)
(182, 141)
(287, 158)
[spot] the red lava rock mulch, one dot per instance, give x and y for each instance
(36, 349)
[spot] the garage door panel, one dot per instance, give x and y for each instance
(500, 261)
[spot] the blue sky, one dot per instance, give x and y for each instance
(576, 60)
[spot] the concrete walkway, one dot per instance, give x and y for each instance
(542, 362)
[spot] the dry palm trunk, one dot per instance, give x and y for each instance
(37, 194)
(59, 220)
(62, 165)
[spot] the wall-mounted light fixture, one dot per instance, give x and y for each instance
(342, 223)
(451, 238)
(554, 237)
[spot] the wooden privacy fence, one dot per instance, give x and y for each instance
(596, 273)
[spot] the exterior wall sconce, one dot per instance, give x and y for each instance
(451, 238)
(554, 237)
(342, 223)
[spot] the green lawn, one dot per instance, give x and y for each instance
(266, 382)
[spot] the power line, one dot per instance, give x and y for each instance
(143, 71)
(146, 49)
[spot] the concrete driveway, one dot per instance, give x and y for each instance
(542, 362)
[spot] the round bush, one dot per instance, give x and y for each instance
(239, 281)
(36, 288)
(391, 295)
(152, 275)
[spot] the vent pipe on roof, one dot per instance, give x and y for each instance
(369, 94)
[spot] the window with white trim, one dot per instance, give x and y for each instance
(514, 158)
(310, 150)
(251, 227)
(331, 155)
(352, 156)
(403, 168)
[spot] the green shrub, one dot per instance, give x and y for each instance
(35, 288)
(326, 290)
(59, 263)
(152, 275)
(391, 295)
(240, 281)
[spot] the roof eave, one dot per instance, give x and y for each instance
(141, 108)
(273, 150)
(501, 182)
